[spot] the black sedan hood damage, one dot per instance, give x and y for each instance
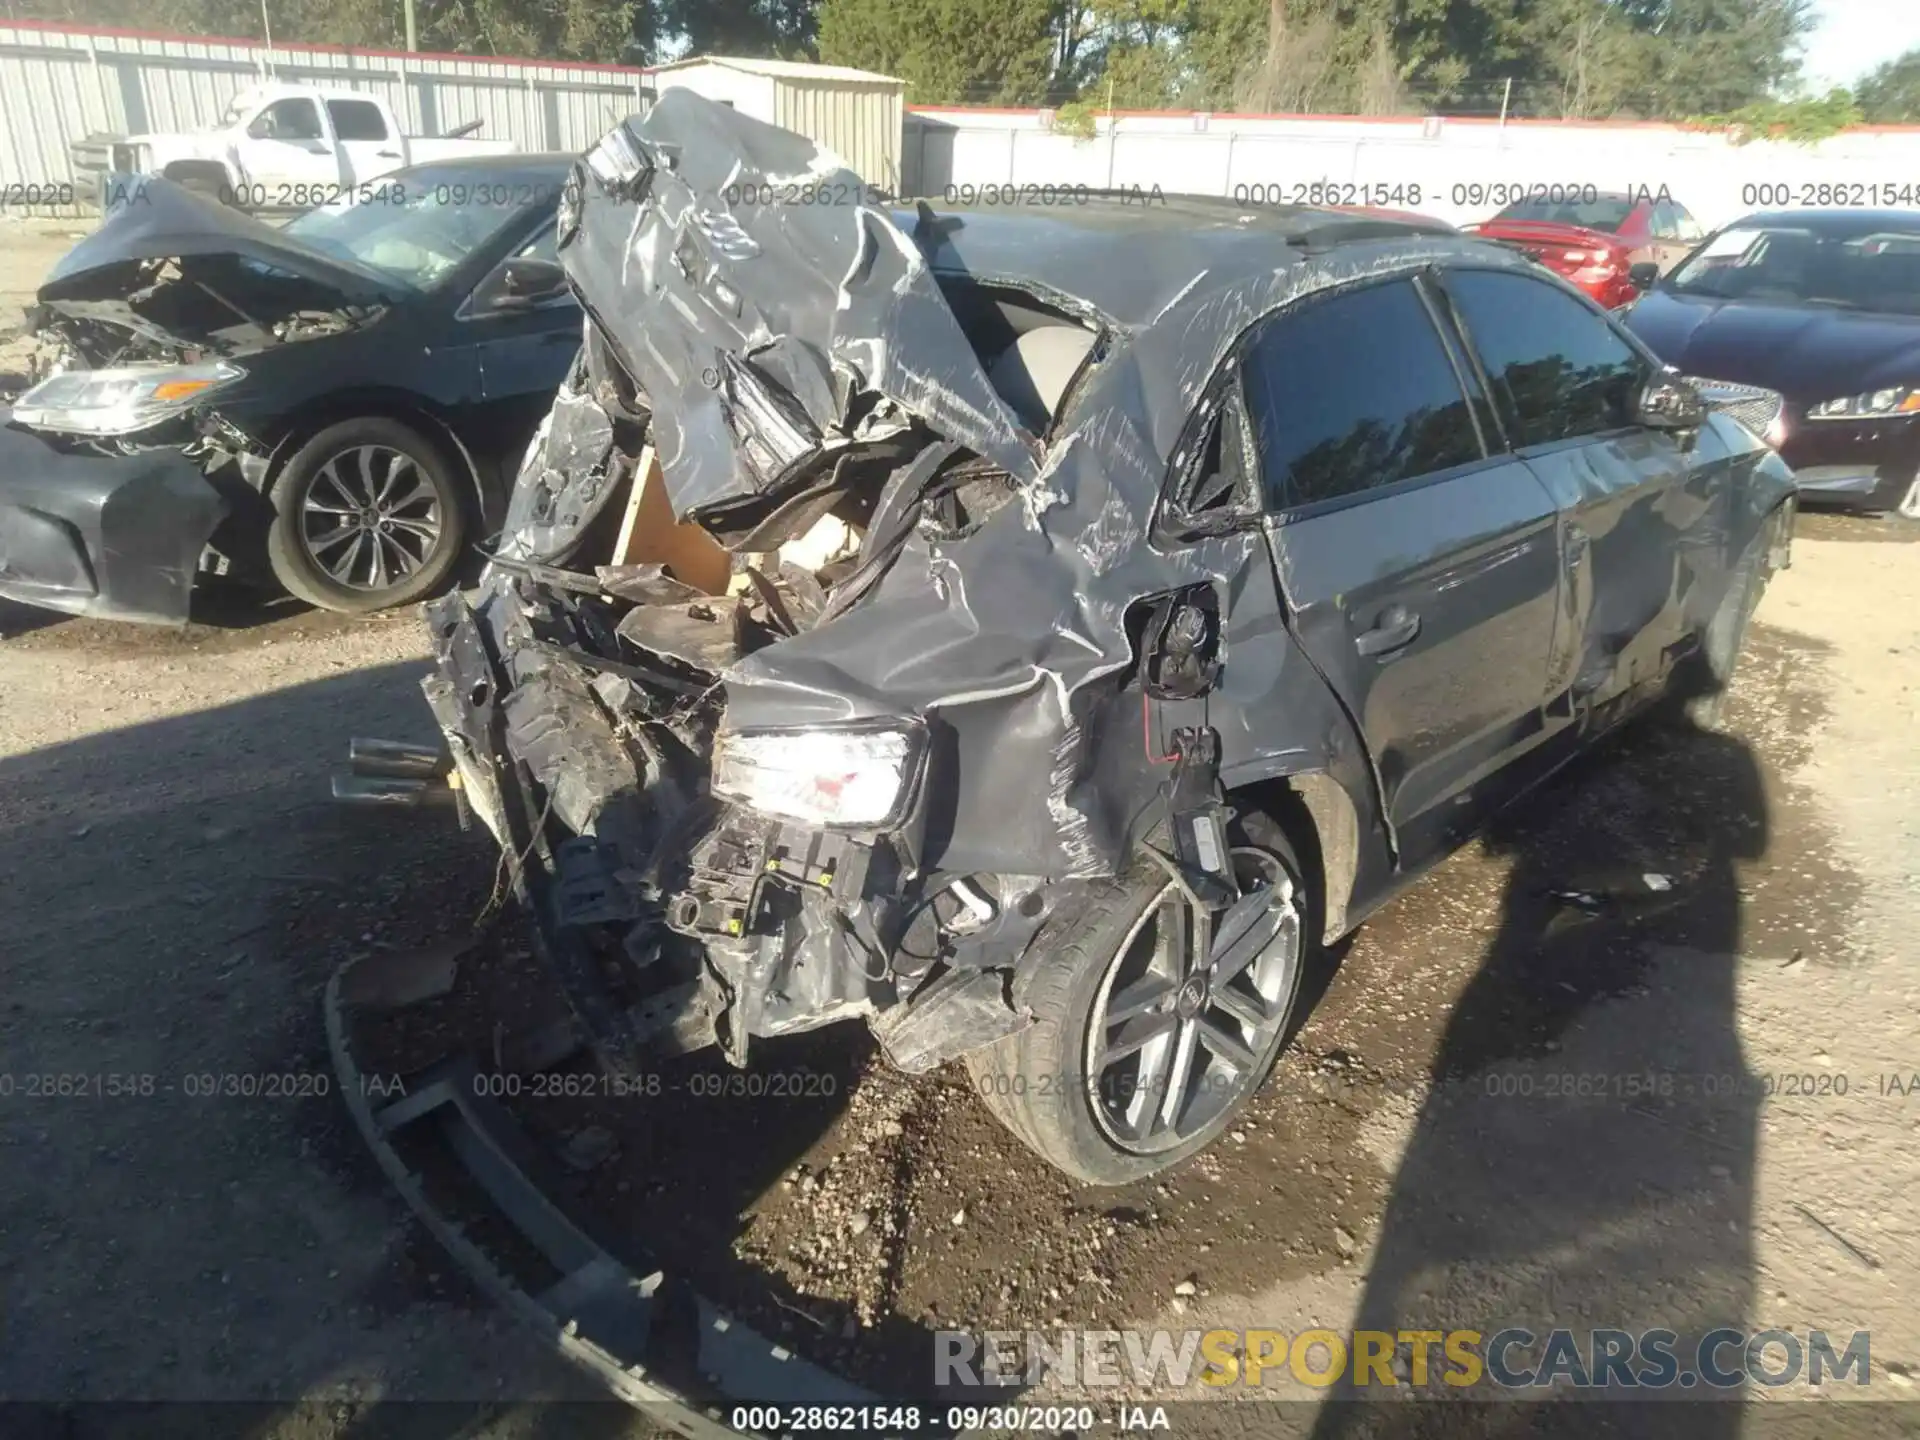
(173, 277)
(150, 218)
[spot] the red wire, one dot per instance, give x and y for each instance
(1146, 737)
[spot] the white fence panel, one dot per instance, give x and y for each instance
(1456, 170)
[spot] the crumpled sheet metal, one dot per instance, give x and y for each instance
(1005, 628)
(565, 477)
(1001, 637)
(827, 298)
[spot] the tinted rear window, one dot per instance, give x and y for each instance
(357, 120)
(1603, 214)
(1353, 392)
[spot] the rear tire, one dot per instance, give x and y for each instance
(368, 514)
(1067, 1086)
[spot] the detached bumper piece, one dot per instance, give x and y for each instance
(1854, 487)
(112, 537)
(656, 1344)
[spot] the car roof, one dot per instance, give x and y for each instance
(1836, 221)
(1129, 254)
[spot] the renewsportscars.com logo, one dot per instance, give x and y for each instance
(1166, 1362)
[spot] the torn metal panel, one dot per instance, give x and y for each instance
(705, 634)
(967, 660)
(960, 1011)
(766, 334)
(567, 475)
(109, 536)
(1005, 628)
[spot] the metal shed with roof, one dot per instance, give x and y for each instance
(855, 113)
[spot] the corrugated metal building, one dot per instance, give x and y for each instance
(854, 113)
(61, 84)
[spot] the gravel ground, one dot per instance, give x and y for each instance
(180, 889)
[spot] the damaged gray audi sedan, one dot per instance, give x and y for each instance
(1113, 602)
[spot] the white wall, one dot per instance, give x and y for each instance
(1460, 170)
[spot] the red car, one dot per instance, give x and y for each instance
(1596, 239)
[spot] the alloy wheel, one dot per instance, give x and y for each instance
(1192, 1008)
(371, 518)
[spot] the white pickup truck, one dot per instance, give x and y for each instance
(281, 147)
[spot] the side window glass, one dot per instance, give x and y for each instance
(1353, 392)
(543, 246)
(1666, 225)
(357, 120)
(1556, 368)
(288, 120)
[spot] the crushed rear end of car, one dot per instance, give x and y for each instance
(712, 752)
(807, 679)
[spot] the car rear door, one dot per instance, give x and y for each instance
(1420, 566)
(368, 148)
(1640, 522)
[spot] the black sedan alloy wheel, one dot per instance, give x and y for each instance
(371, 518)
(368, 514)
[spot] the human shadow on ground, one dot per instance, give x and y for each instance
(1584, 1157)
(187, 1257)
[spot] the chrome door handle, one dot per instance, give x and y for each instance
(1397, 627)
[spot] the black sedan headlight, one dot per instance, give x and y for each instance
(1875, 404)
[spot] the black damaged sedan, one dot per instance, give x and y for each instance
(1115, 603)
(336, 406)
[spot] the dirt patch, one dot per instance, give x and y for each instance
(182, 888)
(857, 1211)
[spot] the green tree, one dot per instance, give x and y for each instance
(982, 52)
(1715, 56)
(1891, 94)
(782, 29)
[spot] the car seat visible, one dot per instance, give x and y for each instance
(1033, 373)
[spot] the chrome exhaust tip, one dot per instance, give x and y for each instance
(389, 790)
(395, 759)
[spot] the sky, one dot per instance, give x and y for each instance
(1853, 37)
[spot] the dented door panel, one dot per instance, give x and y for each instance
(1631, 518)
(1473, 562)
